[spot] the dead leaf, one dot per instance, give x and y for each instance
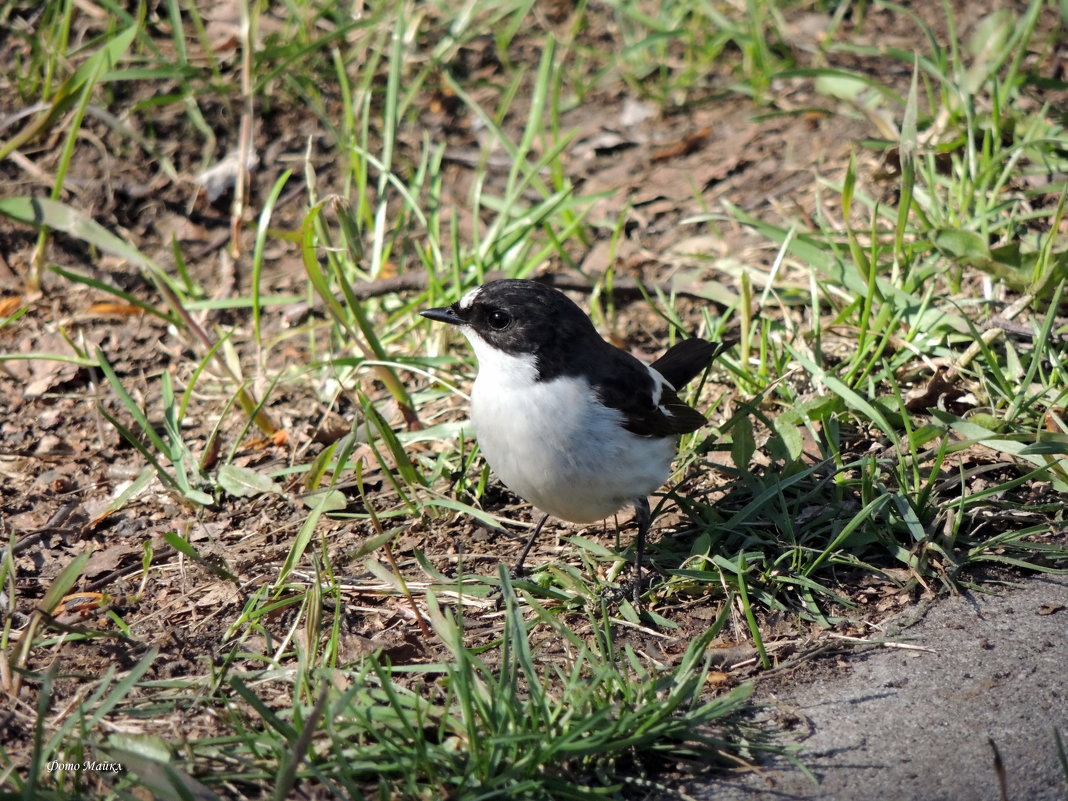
(124, 309)
(684, 147)
(79, 606)
(938, 393)
(9, 305)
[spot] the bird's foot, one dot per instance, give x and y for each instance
(633, 587)
(515, 573)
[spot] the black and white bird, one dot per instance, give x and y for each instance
(568, 421)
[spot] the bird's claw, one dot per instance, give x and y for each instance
(633, 587)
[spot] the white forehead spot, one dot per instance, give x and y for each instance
(469, 298)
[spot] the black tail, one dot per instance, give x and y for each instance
(685, 361)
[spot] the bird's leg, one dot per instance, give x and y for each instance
(635, 585)
(645, 517)
(517, 568)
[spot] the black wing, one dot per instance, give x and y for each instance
(624, 383)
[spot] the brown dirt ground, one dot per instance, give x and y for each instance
(61, 462)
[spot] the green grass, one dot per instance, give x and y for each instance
(821, 467)
(596, 723)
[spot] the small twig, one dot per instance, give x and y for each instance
(160, 554)
(884, 643)
(991, 334)
(53, 526)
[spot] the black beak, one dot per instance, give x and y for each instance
(443, 314)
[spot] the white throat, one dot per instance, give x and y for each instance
(499, 369)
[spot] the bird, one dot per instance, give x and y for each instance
(569, 422)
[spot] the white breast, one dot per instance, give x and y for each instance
(555, 445)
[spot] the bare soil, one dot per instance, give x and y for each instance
(962, 698)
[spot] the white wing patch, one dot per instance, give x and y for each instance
(659, 382)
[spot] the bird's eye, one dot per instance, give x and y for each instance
(498, 320)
